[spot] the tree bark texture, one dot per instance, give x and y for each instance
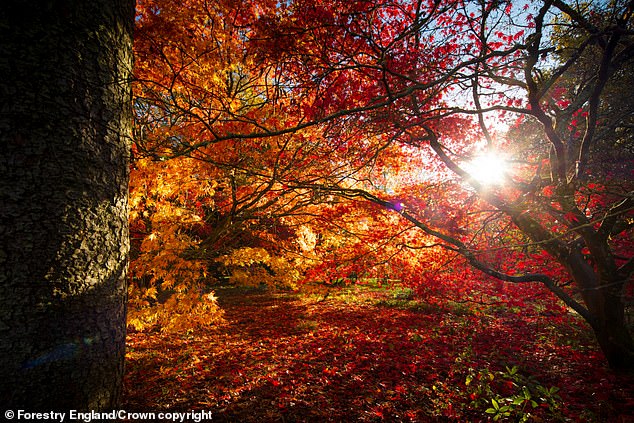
(65, 124)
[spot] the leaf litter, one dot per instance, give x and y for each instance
(284, 356)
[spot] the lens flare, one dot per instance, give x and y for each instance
(488, 169)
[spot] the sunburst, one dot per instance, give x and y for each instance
(488, 169)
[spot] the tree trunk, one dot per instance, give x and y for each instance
(604, 301)
(611, 329)
(616, 341)
(65, 121)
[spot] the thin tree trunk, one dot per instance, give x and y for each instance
(65, 120)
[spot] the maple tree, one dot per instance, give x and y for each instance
(298, 112)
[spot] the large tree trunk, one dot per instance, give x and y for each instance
(65, 120)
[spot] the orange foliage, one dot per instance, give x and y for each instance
(280, 143)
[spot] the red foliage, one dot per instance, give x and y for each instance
(356, 358)
(334, 139)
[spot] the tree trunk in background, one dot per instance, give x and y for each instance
(65, 122)
(603, 298)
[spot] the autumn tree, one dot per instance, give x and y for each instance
(404, 104)
(386, 66)
(220, 205)
(65, 127)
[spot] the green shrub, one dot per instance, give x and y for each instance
(511, 396)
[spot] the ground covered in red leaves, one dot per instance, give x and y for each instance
(375, 356)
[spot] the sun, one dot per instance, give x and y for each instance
(488, 169)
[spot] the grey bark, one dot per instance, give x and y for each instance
(65, 121)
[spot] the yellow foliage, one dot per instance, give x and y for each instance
(162, 200)
(181, 312)
(256, 266)
(151, 292)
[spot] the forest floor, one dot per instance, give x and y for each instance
(374, 355)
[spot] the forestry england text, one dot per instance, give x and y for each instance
(92, 416)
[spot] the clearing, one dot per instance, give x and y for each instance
(372, 355)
